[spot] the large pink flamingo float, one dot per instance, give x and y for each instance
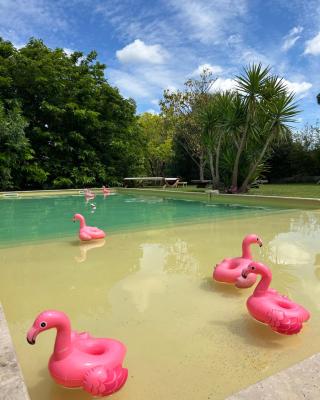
(80, 360)
(229, 270)
(88, 232)
(270, 307)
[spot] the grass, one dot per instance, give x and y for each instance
(287, 190)
(310, 190)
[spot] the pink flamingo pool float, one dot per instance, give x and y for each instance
(106, 191)
(88, 194)
(229, 270)
(270, 307)
(80, 360)
(88, 232)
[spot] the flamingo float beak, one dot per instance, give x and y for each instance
(244, 274)
(31, 335)
(260, 243)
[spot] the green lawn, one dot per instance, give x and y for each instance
(289, 189)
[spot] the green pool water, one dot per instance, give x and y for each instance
(149, 284)
(41, 218)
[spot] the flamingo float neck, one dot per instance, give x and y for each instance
(62, 346)
(263, 285)
(246, 252)
(80, 218)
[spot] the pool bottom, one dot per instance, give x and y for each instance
(187, 337)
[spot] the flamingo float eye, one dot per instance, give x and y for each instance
(43, 324)
(252, 268)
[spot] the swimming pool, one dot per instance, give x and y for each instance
(149, 285)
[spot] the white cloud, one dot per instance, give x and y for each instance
(290, 39)
(155, 102)
(21, 19)
(208, 21)
(299, 88)
(313, 46)
(222, 84)
(68, 51)
(214, 69)
(128, 84)
(138, 52)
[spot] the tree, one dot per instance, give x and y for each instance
(81, 130)
(180, 110)
(14, 146)
(275, 111)
(158, 139)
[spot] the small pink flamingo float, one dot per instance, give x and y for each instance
(88, 232)
(229, 270)
(270, 307)
(88, 194)
(80, 360)
(106, 191)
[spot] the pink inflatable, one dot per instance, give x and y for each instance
(80, 360)
(106, 191)
(229, 270)
(88, 194)
(88, 232)
(268, 306)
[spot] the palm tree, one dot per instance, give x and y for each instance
(249, 87)
(276, 110)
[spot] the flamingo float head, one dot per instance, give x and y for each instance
(252, 238)
(255, 268)
(78, 217)
(44, 321)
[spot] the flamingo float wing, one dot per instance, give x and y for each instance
(280, 322)
(100, 381)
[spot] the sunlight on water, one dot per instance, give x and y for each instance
(187, 337)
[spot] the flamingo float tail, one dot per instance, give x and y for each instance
(281, 323)
(100, 381)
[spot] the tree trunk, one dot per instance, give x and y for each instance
(218, 161)
(201, 167)
(213, 177)
(254, 166)
(234, 182)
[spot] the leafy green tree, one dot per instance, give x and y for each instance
(159, 145)
(181, 112)
(81, 130)
(14, 146)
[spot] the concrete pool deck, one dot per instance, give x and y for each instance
(301, 381)
(12, 386)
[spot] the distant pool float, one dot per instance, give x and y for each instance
(270, 307)
(88, 232)
(80, 360)
(106, 191)
(229, 270)
(88, 194)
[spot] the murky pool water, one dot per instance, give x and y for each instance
(150, 287)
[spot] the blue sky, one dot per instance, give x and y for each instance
(151, 45)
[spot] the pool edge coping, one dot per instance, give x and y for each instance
(291, 202)
(300, 381)
(12, 384)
